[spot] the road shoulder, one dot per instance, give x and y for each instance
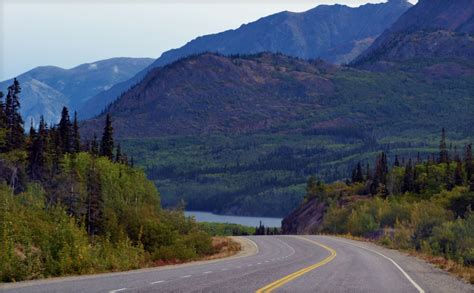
(432, 278)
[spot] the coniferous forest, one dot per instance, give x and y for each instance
(69, 206)
(423, 205)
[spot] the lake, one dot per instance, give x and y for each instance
(246, 221)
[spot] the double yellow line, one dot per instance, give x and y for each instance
(280, 282)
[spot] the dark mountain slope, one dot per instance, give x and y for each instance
(209, 94)
(430, 29)
(47, 89)
(335, 33)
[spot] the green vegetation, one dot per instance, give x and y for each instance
(67, 208)
(418, 205)
(226, 229)
(260, 174)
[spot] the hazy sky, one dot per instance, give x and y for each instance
(70, 32)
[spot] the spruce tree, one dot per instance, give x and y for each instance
(396, 163)
(368, 175)
(14, 122)
(408, 178)
(443, 152)
(458, 176)
(76, 136)
(118, 155)
(359, 177)
(37, 157)
(468, 162)
(94, 146)
(65, 131)
(107, 142)
(3, 117)
(311, 186)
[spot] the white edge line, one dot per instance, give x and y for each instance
(118, 290)
(391, 260)
(255, 244)
(156, 282)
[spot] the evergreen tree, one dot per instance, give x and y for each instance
(310, 187)
(76, 137)
(396, 163)
(378, 184)
(37, 156)
(359, 177)
(65, 131)
(3, 117)
(408, 178)
(468, 162)
(458, 176)
(353, 176)
(443, 152)
(449, 178)
(94, 147)
(14, 121)
(368, 175)
(107, 142)
(118, 155)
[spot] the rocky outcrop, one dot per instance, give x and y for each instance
(306, 219)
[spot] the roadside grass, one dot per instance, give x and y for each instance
(224, 247)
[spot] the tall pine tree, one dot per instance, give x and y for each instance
(443, 151)
(14, 122)
(76, 136)
(65, 131)
(107, 142)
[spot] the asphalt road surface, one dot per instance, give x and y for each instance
(274, 263)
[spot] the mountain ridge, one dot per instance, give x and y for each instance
(336, 33)
(433, 28)
(74, 85)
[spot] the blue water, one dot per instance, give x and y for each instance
(246, 221)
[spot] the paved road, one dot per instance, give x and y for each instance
(282, 264)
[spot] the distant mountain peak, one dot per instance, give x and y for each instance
(335, 33)
(46, 89)
(416, 33)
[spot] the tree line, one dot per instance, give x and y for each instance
(458, 171)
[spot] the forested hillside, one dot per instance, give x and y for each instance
(238, 134)
(417, 203)
(240, 142)
(68, 207)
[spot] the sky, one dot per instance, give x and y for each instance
(67, 33)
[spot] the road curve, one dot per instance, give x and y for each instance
(281, 264)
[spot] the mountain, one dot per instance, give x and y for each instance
(209, 93)
(431, 28)
(47, 89)
(335, 33)
(239, 135)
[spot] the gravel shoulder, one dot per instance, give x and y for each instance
(431, 278)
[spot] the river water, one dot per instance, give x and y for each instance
(246, 221)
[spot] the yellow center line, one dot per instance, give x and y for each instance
(280, 282)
